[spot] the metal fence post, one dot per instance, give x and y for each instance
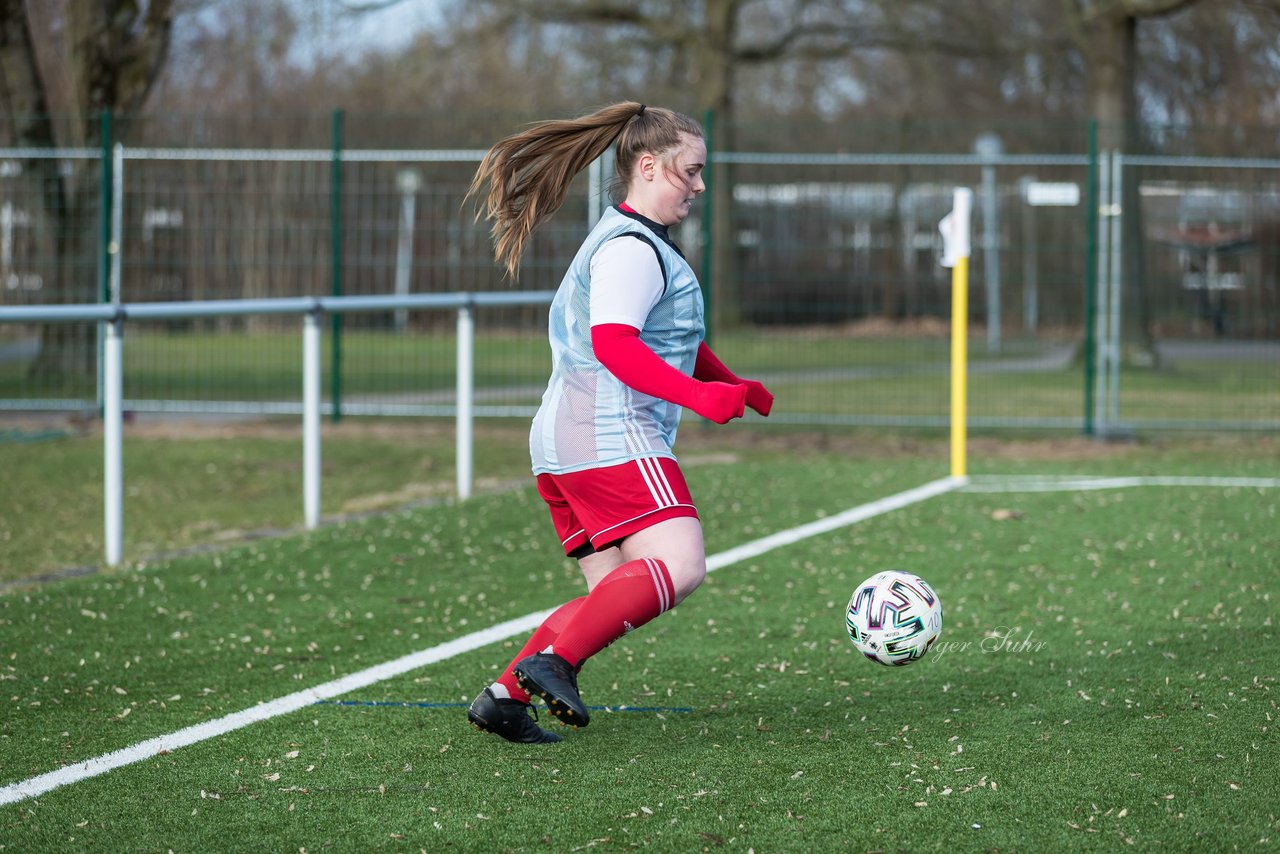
(408, 181)
(335, 260)
(1116, 276)
(116, 247)
(1104, 285)
(1030, 261)
(1090, 275)
(599, 175)
(465, 389)
(989, 148)
(104, 240)
(112, 441)
(311, 418)
(708, 249)
(104, 234)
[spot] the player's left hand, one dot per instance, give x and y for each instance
(758, 397)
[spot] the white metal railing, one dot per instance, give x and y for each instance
(112, 318)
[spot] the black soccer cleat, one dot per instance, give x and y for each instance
(507, 718)
(547, 675)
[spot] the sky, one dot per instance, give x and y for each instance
(388, 29)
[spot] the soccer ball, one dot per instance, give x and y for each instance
(894, 617)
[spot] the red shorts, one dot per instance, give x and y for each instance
(596, 508)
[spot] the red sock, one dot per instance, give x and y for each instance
(625, 599)
(542, 637)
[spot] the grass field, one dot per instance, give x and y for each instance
(1106, 675)
(189, 485)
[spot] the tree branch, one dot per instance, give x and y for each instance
(1116, 10)
(831, 43)
(1154, 8)
(663, 30)
(358, 8)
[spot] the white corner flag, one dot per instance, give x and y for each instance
(955, 228)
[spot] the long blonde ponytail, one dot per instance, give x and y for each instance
(529, 173)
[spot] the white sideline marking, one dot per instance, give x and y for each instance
(1077, 483)
(840, 520)
(284, 705)
(36, 786)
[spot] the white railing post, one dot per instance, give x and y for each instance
(111, 320)
(311, 418)
(112, 420)
(466, 389)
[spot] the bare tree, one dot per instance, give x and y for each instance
(1215, 66)
(1105, 34)
(110, 54)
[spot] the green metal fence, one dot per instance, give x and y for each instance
(1109, 292)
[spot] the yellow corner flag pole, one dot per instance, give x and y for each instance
(955, 254)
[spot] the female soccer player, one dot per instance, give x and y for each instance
(626, 329)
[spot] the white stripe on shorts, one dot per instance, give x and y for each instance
(656, 479)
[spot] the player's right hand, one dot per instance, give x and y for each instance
(719, 402)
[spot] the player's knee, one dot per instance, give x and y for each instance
(686, 576)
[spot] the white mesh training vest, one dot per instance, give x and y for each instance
(588, 418)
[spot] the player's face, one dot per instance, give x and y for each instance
(669, 185)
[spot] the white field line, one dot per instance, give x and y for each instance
(66, 775)
(1078, 483)
(831, 523)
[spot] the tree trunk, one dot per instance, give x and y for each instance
(715, 89)
(69, 350)
(64, 349)
(1113, 60)
(117, 48)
